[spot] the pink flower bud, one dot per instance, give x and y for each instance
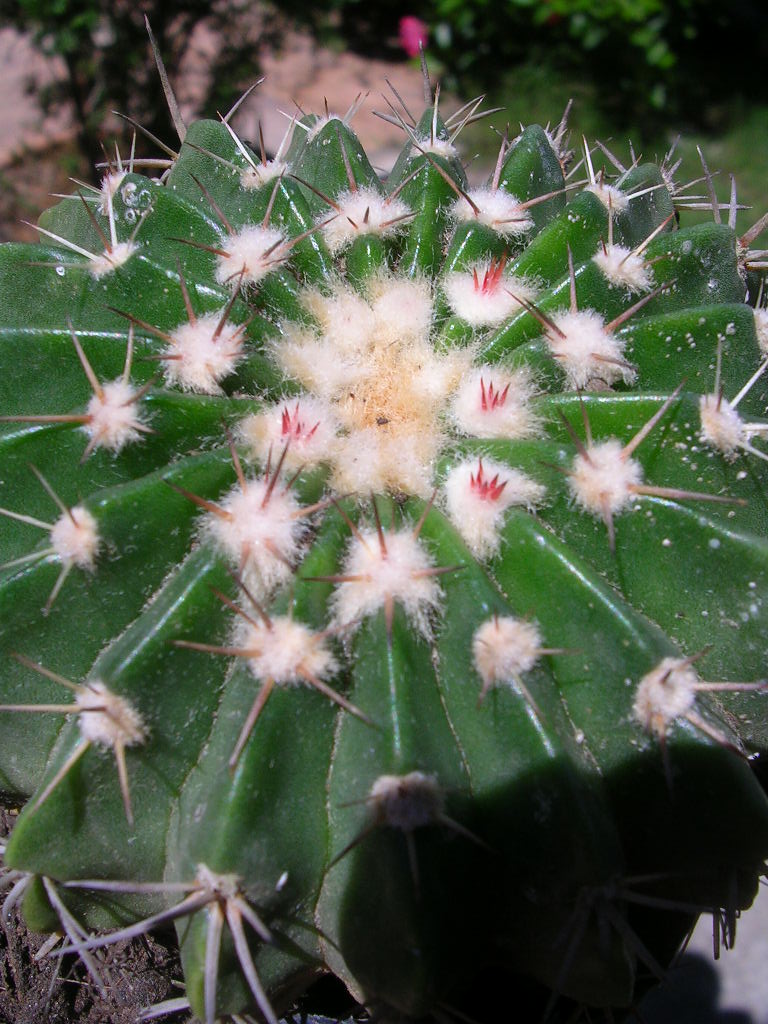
(412, 34)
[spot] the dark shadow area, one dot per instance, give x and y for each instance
(555, 898)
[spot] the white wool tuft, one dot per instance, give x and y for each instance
(505, 648)
(75, 538)
(402, 309)
(586, 351)
(255, 250)
(113, 417)
(664, 694)
(622, 266)
(286, 651)
(319, 365)
(110, 183)
(407, 801)
(361, 462)
(610, 196)
(494, 402)
(439, 147)
(605, 480)
(320, 123)
(478, 493)
(485, 296)
(376, 459)
(363, 212)
(438, 375)
(252, 178)
(345, 318)
(305, 423)
(761, 329)
(196, 360)
(401, 574)
(260, 532)
(498, 210)
(106, 718)
(373, 460)
(721, 425)
(111, 259)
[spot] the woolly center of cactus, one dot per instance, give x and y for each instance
(373, 363)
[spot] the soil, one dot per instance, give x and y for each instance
(58, 990)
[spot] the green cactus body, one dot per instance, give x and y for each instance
(389, 623)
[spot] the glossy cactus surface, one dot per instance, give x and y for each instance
(387, 562)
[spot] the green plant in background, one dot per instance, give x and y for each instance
(645, 63)
(386, 563)
(645, 23)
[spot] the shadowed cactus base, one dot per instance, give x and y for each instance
(384, 571)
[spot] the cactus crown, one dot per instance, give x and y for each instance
(400, 525)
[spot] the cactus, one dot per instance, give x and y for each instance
(403, 547)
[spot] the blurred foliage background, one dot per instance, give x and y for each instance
(650, 61)
(644, 69)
